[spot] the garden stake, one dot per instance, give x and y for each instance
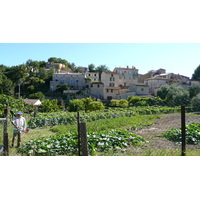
(183, 130)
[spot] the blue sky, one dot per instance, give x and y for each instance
(180, 58)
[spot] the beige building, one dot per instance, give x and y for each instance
(155, 83)
(127, 75)
(111, 85)
(135, 90)
(150, 74)
(96, 89)
(94, 76)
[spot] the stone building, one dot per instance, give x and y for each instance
(75, 81)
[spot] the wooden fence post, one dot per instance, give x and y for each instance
(183, 153)
(83, 136)
(79, 137)
(5, 135)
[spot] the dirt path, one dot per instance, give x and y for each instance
(156, 142)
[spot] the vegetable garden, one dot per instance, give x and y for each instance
(101, 139)
(113, 131)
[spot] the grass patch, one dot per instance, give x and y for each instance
(108, 124)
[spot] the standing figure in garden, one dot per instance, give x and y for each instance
(19, 124)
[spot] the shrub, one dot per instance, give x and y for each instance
(195, 102)
(194, 90)
(123, 103)
(95, 105)
(114, 103)
(37, 95)
(141, 103)
(76, 105)
(86, 102)
(132, 100)
(49, 105)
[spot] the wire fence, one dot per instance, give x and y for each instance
(1, 138)
(4, 148)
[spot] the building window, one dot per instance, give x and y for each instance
(88, 74)
(107, 90)
(95, 75)
(142, 89)
(111, 90)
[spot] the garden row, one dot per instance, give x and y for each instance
(67, 144)
(56, 118)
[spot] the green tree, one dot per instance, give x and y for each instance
(60, 88)
(194, 90)
(37, 95)
(76, 105)
(6, 86)
(196, 75)
(163, 91)
(178, 96)
(49, 105)
(53, 60)
(195, 102)
(71, 66)
(58, 60)
(91, 68)
(100, 69)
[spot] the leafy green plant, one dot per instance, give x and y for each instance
(13, 104)
(192, 134)
(67, 144)
(49, 105)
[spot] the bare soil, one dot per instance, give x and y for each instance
(153, 133)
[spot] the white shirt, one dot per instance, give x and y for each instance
(20, 122)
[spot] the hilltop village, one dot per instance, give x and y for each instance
(117, 84)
